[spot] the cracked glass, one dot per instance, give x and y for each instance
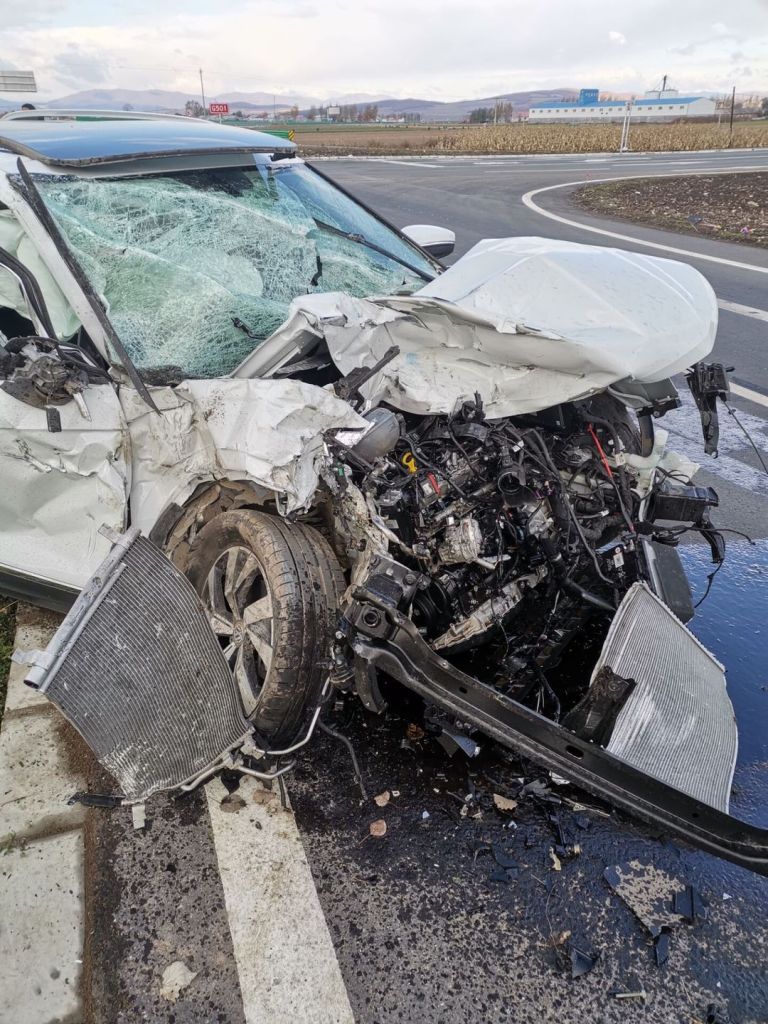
(197, 268)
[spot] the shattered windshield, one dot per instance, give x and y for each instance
(197, 268)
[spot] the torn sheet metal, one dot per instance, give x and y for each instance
(526, 322)
(58, 488)
(268, 432)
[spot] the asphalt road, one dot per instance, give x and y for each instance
(457, 916)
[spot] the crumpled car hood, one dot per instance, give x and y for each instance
(526, 322)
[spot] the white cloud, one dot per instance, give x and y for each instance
(439, 49)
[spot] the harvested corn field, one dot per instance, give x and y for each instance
(525, 138)
(733, 207)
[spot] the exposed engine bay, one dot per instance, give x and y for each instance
(524, 533)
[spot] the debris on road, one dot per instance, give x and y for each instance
(639, 994)
(556, 863)
(503, 803)
(581, 962)
(647, 891)
(689, 904)
(176, 977)
(661, 948)
(139, 815)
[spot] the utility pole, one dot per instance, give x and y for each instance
(202, 92)
(624, 143)
(730, 127)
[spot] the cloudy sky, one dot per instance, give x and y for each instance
(436, 49)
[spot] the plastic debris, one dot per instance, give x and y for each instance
(382, 799)
(690, 905)
(378, 828)
(647, 891)
(139, 815)
(581, 962)
(176, 977)
(661, 948)
(425, 815)
(503, 859)
(556, 863)
(504, 874)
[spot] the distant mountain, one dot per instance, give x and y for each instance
(354, 97)
(163, 101)
(432, 110)
(166, 101)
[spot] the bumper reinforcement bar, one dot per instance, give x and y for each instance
(382, 636)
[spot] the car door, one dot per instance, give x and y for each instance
(63, 467)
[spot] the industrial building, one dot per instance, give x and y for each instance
(657, 105)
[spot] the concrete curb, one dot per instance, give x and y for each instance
(41, 848)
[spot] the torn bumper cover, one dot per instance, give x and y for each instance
(654, 781)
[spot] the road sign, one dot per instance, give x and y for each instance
(219, 108)
(17, 81)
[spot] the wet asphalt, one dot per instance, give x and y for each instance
(456, 916)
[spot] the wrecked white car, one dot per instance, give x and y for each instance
(367, 467)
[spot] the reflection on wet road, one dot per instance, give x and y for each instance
(733, 623)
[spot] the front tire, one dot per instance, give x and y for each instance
(272, 590)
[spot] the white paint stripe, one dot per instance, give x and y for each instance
(407, 163)
(528, 200)
(736, 307)
(285, 957)
(750, 395)
(684, 426)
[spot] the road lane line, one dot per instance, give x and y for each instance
(749, 394)
(684, 426)
(407, 163)
(528, 200)
(285, 957)
(736, 307)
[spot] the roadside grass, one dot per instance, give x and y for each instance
(7, 634)
(361, 140)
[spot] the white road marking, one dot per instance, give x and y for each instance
(528, 200)
(406, 163)
(685, 437)
(750, 395)
(284, 953)
(736, 307)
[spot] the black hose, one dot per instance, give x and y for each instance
(347, 743)
(587, 596)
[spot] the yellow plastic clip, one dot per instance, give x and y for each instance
(409, 461)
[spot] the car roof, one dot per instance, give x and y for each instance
(83, 143)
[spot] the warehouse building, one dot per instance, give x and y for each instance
(658, 105)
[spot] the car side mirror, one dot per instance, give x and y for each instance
(438, 242)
